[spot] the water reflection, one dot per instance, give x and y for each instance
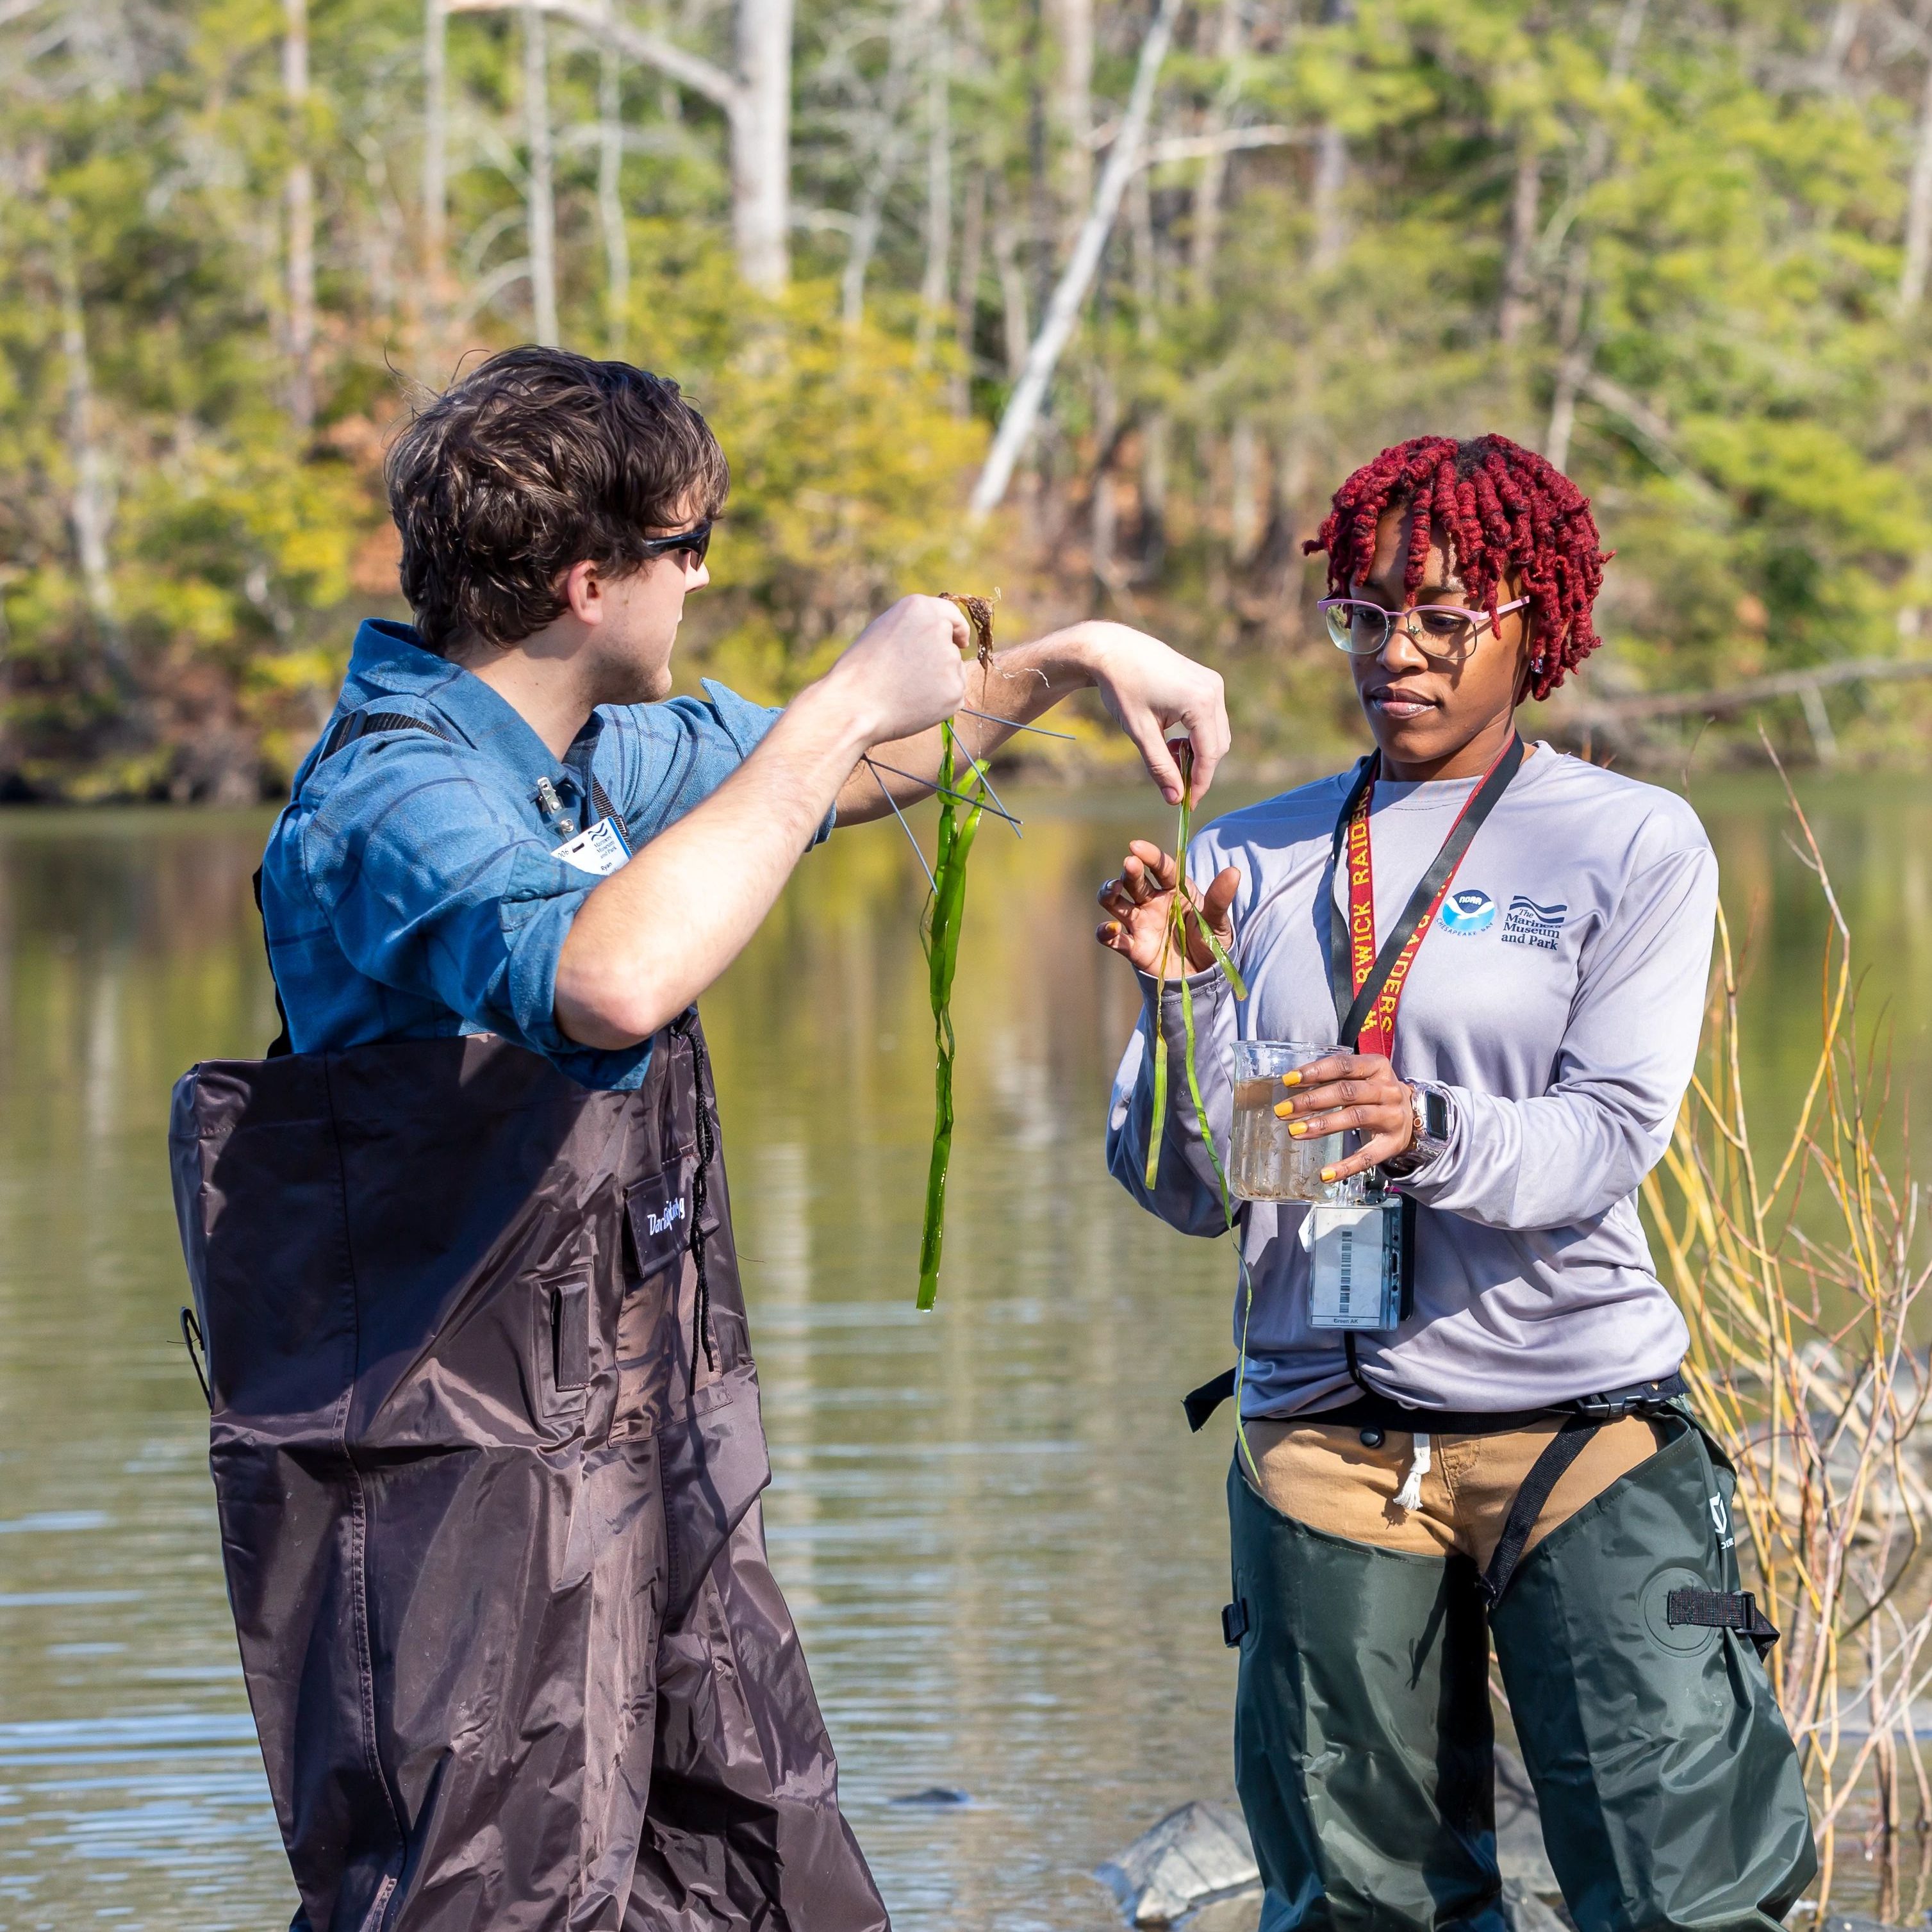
(1005, 1552)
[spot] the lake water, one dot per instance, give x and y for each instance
(1006, 1552)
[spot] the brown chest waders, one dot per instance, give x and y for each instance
(1669, 1789)
(486, 1456)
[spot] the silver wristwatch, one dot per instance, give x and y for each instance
(1434, 1114)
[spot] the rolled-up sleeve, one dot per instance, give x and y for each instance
(431, 888)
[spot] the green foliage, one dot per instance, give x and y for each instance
(1670, 241)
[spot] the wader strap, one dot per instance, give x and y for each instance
(1201, 1403)
(354, 725)
(281, 1043)
(197, 1353)
(1723, 1610)
(1546, 1472)
(600, 802)
(683, 1026)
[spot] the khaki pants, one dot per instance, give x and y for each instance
(1330, 1479)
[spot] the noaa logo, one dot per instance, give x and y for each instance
(1470, 911)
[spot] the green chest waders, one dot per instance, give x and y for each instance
(1670, 1789)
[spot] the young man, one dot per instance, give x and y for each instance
(485, 1436)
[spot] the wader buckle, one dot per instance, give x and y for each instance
(1234, 1622)
(1723, 1610)
(1613, 1405)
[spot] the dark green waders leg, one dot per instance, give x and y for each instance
(1670, 1787)
(1363, 1739)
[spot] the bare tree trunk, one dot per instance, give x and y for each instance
(436, 150)
(966, 311)
(1918, 209)
(882, 165)
(1244, 502)
(1103, 519)
(1056, 329)
(932, 286)
(1576, 354)
(1230, 38)
(300, 196)
(1331, 178)
(90, 509)
(1073, 108)
(610, 202)
(756, 99)
(1154, 426)
(1518, 283)
(1012, 282)
(540, 194)
(761, 144)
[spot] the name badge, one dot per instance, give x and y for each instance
(600, 848)
(1357, 1258)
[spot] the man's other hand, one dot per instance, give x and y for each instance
(1153, 693)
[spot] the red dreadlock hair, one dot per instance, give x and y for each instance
(1503, 508)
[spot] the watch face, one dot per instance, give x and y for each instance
(1435, 1117)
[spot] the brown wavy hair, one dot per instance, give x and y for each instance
(537, 459)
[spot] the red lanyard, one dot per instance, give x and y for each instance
(1375, 980)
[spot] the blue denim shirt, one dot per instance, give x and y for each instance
(409, 890)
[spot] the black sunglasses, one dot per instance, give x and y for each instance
(697, 540)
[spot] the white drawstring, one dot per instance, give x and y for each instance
(1409, 1496)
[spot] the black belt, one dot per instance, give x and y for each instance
(1384, 1412)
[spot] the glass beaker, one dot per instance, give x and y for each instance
(1266, 1161)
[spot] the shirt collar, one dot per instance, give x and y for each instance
(389, 657)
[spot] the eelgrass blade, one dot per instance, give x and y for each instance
(956, 834)
(1157, 1128)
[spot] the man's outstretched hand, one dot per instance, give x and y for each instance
(1155, 694)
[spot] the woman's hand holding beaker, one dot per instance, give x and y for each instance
(1350, 1093)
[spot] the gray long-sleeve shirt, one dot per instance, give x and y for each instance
(1562, 1008)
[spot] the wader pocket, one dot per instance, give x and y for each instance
(564, 1343)
(658, 1211)
(714, 1463)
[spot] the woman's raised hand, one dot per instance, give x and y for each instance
(1139, 905)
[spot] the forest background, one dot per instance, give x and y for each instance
(1229, 249)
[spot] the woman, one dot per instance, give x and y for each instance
(1512, 946)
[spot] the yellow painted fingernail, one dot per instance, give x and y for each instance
(1291, 1079)
(1297, 1128)
(1327, 1173)
(1282, 1108)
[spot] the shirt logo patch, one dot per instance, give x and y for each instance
(1470, 911)
(1529, 924)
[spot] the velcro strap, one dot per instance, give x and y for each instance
(1546, 1472)
(1722, 1610)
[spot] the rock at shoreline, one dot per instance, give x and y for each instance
(1199, 1860)
(1194, 1857)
